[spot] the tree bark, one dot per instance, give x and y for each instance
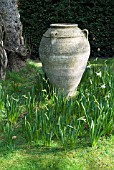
(12, 40)
(3, 54)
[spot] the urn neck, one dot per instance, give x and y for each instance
(63, 25)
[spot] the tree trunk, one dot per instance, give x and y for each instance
(3, 54)
(13, 42)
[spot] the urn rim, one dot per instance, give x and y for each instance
(63, 25)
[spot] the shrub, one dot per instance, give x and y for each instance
(96, 16)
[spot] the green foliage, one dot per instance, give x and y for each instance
(96, 16)
(43, 115)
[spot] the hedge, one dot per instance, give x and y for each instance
(97, 17)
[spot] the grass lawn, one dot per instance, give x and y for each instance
(25, 154)
(55, 158)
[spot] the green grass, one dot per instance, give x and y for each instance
(53, 132)
(55, 158)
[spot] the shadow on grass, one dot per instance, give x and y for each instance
(27, 80)
(55, 158)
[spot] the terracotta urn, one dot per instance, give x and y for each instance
(64, 51)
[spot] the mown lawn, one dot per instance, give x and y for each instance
(55, 158)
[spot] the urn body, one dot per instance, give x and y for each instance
(64, 51)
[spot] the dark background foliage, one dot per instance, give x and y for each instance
(94, 15)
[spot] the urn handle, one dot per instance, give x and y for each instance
(85, 31)
(53, 34)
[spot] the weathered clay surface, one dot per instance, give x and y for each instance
(64, 51)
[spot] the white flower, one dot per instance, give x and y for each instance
(89, 66)
(99, 74)
(103, 86)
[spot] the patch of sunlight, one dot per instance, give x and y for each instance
(34, 63)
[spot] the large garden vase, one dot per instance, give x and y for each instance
(64, 51)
